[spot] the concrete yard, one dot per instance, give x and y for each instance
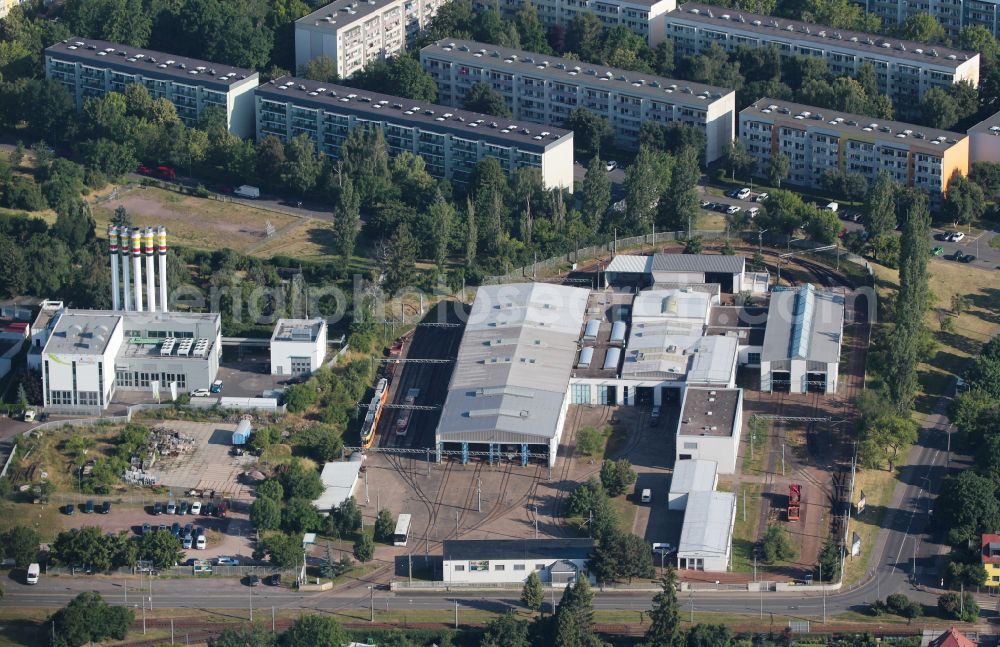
(209, 466)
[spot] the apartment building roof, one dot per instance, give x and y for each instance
(571, 71)
(415, 114)
(989, 126)
(343, 12)
(147, 62)
(824, 37)
(797, 115)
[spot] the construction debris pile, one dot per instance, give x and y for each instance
(168, 444)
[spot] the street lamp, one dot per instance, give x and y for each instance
(760, 239)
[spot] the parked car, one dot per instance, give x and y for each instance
(200, 393)
(720, 206)
(227, 561)
(251, 580)
(184, 508)
(200, 542)
(743, 193)
(163, 527)
(171, 507)
(145, 528)
(832, 206)
(216, 386)
(762, 196)
(857, 217)
(144, 170)
(937, 251)
(967, 258)
(187, 542)
(69, 509)
(189, 529)
(610, 165)
(196, 507)
(222, 509)
(733, 210)
(166, 172)
(273, 580)
(209, 509)
(175, 529)
(705, 204)
(158, 509)
(88, 507)
(106, 507)
(957, 236)
(944, 235)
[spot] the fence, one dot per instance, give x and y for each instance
(10, 459)
(262, 570)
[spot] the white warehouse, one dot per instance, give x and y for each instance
(709, 426)
(298, 346)
(490, 561)
(707, 531)
(691, 476)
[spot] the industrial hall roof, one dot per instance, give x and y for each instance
(513, 367)
(486, 549)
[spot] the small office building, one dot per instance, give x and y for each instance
(298, 346)
(707, 532)
(709, 426)
(559, 562)
(805, 329)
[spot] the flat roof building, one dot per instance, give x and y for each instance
(546, 89)
(339, 479)
(298, 346)
(728, 272)
(89, 354)
(642, 17)
(510, 385)
(90, 68)
(691, 476)
(450, 141)
(904, 70)
(353, 34)
(953, 15)
(707, 531)
(805, 329)
(984, 140)
(816, 140)
(488, 561)
(710, 425)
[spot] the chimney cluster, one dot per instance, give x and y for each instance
(127, 288)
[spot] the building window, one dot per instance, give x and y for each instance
(459, 567)
(88, 398)
(61, 397)
(518, 567)
(753, 358)
(581, 394)
(499, 567)
(690, 445)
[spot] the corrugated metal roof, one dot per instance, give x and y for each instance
(339, 478)
(698, 263)
(512, 372)
(630, 264)
(806, 327)
(693, 476)
(487, 549)
(708, 524)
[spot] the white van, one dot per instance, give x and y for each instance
(33, 571)
(647, 495)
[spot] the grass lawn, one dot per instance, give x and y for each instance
(745, 530)
(878, 486)
(626, 511)
(995, 242)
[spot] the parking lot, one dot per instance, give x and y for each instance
(209, 465)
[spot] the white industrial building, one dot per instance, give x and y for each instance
(675, 270)
(494, 561)
(707, 532)
(298, 346)
(709, 426)
(546, 89)
(691, 476)
(339, 479)
(510, 387)
(805, 329)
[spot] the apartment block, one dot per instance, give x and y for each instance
(7, 5)
(816, 139)
(644, 17)
(954, 15)
(984, 140)
(91, 68)
(355, 32)
(904, 70)
(450, 141)
(546, 89)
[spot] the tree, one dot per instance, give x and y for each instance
(622, 556)
(903, 606)
(399, 76)
(596, 194)
(319, 631)
(75, 225)
(265, 513)
(121, 217)
(402, 259)
(532, 594)
(442, 218)
(271, 488)
(923, 28)
(20, 544)
(678, 208)
(823, 225)
(385, 527)
(346, 220)
(162, 548)
(530, 29)
(507, 630)
(885, 438)
(482, 98)
(87, 618)
(284, 551)
(299, 482)
(644, 180)
(348, 516)
(964, 202)
(708, 636)
(364, 548)
(574, 617)
(617, 476)
(85, 546)
(880, 207)
(322, 69)
(776, 546)
(938, 109)
(778, 169)
(987, 176)
(961, 607)
(302, 165)
(591, 131)
(737, 160)
(299, 516)
(589, 441)
(665, 626)
(253, 636)
(966, 508)
(471, 233)
(828, 565)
